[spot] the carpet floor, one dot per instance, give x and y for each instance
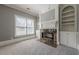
(35, 47)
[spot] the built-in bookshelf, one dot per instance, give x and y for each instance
(68, 18)
(68, 22)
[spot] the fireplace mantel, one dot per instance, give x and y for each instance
(48, 36)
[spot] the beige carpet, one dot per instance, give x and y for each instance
(35, 47)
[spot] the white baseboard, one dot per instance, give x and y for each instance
(4, 43)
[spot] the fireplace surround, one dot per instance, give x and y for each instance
(48, 36)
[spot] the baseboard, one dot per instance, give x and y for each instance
(68, 46)
(8, 42)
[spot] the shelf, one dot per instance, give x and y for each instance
(68, 19)
(68, 11)
(68, 24)
(65, 21)
(68, 16)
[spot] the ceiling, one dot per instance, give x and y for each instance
(33, 9)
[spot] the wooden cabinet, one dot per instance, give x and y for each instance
(72, 39)
(63, 38)
(68, 39)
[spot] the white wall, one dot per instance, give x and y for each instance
(50, 22)
(77, 27)
(7, 22)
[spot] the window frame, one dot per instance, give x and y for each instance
(17, 36)
(30, 26)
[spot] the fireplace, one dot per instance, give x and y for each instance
(48, 36)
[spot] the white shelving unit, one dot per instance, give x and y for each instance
(68, 25)
(68, 17)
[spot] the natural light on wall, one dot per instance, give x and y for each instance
(24, 26)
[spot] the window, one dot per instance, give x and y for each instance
(24, 26)
(30, 26)
(20, 26)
